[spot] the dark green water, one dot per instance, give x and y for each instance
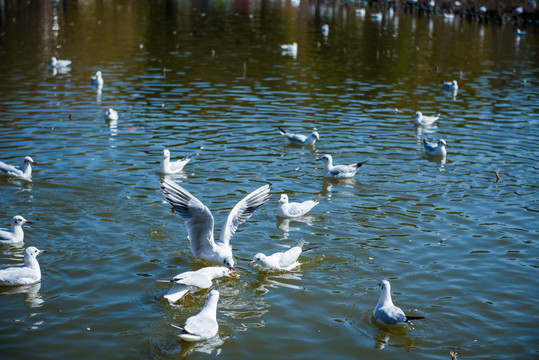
(458, 247)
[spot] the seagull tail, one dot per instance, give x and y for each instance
(360, 164)
(190, 156)
(410, 318)
(281, 130)
(311, 248)
(180, 327)
(315, 199)
(301, 242)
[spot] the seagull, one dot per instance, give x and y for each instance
(16, 235)
(55, 63)
(111, 114)
(376, 16)
(436, 150)
(199, 221)
(287, 260)
(97, 79)
(388, 314)
(421, 119)
(24, 171)
(168, 168)
(203, 325)
(360, 12)
(195, 280)
(299, 139)
(339, 171)
(290, 49)
(25, 275)
(294, 209)
(325, 29)
(450, 85)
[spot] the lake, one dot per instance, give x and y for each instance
(210, 77)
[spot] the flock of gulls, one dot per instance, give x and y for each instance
(199, 223)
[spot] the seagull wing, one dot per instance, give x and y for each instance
(196, 279)
(243, 211)
(176, 292)
(9, 169)
(290, 256)
(198, 218)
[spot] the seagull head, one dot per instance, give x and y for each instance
(53, 60)
(418, 114)
(19, 220)
(166, 153)
(258, 257)
(442, 142)
(316, 135)
(32, 252)
(29, 160)
(283, 199)
(229, 263)
(327, 159)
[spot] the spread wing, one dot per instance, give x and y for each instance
(198, 218)
(195, 279)
(243, 211)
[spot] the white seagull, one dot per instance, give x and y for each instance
(25, 275)
(421, 119)
(437, 150)
(24, 171)
(203, 325)
(290, 49)
(55, 63)
(299, 139)
(97, 79)
(287, 260)
(111, 114)
(388, 314)
(339, 171)
(450, 85)
(294, 209)
(16, 234)
(195, 280)
(199, 221)
(168, 168)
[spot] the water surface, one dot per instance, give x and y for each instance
(210, 77)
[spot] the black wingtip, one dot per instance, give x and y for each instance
(360, 164)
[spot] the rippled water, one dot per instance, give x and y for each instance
(210, 77)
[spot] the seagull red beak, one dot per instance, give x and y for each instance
(28, 222)
(252, 263)
(42, 251)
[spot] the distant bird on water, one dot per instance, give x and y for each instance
(168, 167)
(450, 85)
(339, 171)
(287, 209)
(299, 139)
(386, 313)
(111, 114)
(28, 274)
(16, 234)
(24, 171)
(286, 260)
(437, 150)
(55, 63)
(97, 79)
(421, 119)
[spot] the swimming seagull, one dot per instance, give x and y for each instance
(199, 221)
(203, 325)
(388, 314)
(339, 171)
(299, 139)
(168, 168)
(195, 280)
(290, 49)
(437, 150)
(16, 234)
(421, 119)
(24, 171)
(25, 275)
(287, 260)
(55, 63)
(450, 85)
(97, 79)
(294, 209)
(325, 30)
(111, 114)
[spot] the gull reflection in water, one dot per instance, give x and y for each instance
(284, 224)
(268, 279)
(32, 297)
(210, 346)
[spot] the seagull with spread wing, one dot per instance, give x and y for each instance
(199, 221)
